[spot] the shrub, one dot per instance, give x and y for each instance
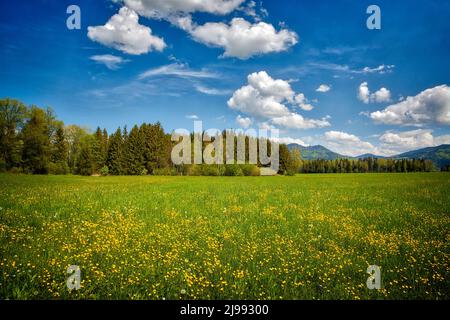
(16, 170)
(250, 170)
(104, 171)
(233, 170)
(58, 168)
(165, 172)
(210, 170)
(2, 165)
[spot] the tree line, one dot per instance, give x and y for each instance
(33, 140)
(366, 165)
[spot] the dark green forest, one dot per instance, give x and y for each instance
(34, 141)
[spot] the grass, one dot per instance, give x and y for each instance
(302, 237)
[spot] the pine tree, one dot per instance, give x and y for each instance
(114, 157)
(134, 152)
(97, 150)
(60, 152)
(86, 161)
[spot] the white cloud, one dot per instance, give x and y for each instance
(348, 144)
(192, 116)
(165, 8)
(382, 95)
(431, 106)
(110, 61)
(297, 121)
(289, 140)
(123, 32)
(178, 70)
(267, 99)
(243, 121)
(391, 143)
(363, 92)
(347, 69)
(382, 69)
(323, 88)
(394, 143)
(211, 91)
(240, 38)
(302, 102)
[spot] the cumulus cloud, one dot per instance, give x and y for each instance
(192, 117)
(241, 39)
(398, 142)
(382, 95)
(297, 121)
(290, 140)
(431, 106)
(123, 32)
(323, 88)
(177, 70)
(348, 144)
(243, 121)
(302, 102)
(110, 61)
(165, 8)
(390, 143)
(267, 99)
(363, 92)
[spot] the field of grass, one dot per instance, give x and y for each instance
(302, 237)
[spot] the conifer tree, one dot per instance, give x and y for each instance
(114, 157)
(134, 152)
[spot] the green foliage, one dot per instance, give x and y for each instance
(60, 167)
(36, 142)
(86, 164)
(166, 172)
(366, 165)
(250, 170)
(12, 118)
(133, 156)
(114, 156)
(104, 171)
(233, 170)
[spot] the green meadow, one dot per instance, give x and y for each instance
(301, 237)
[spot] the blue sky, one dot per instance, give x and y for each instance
(309, 68)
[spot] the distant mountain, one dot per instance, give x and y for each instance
(369, 155)
(440, 155)
(316, 152)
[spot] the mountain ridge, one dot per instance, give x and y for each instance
(440, 155)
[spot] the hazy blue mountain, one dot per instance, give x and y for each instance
(316, 152)
(369, 155)
(440, 155)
